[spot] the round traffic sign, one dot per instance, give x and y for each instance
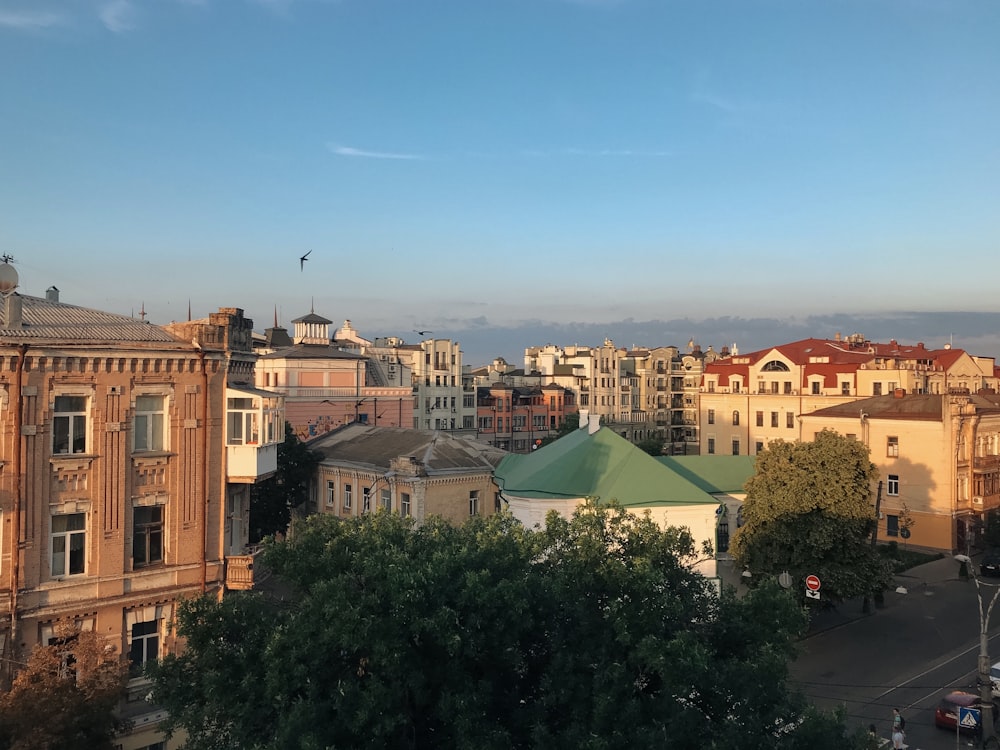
(812, 583)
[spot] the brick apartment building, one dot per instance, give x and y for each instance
(127, 451)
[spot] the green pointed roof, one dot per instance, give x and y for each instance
(602, 465)
(714, 474)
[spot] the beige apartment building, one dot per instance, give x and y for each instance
(747, 400)
(639, 393)
(415, 473)
(127, 454)
(432, 368)
(938, 458)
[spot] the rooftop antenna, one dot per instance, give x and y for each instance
(189, 309)
(142, 312)
(275, 316)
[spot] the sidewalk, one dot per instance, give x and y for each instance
(912, 581)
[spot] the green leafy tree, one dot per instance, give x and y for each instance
(653, 446)
(809, 510)
(569, 424)
(65, 696)
(594, 633)
(272, 501)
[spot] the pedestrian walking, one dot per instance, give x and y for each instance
(897, 739)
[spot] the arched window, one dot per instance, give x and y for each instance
(775, 366)
(736, 418)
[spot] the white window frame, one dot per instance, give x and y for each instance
(892, 446)
(145, 645)
(149, 424)
(404, 504)
(473, 502)
(385, 501)
(366, 500)
(348, 497)
(65, 538)
(331, 493)
(892, 485)
(75, 420)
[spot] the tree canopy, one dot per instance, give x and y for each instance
(272, 501)
(592, 633)
(809, 511)
(65, 696)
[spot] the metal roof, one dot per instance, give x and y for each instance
(49, 320)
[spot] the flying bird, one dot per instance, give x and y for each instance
(302, 261)
(422, 333)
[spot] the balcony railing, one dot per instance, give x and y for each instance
(239, 572)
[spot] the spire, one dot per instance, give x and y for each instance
(189, 310)
(312, 305)
(275, 316)
(142, 312)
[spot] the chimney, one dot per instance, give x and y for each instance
(595, 424)
(52, 294)
(12, 312)
(899, 392)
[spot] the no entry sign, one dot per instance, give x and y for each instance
(812, 583)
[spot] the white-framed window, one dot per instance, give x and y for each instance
(144, 645)
(892, 486)
(241, 421)
(348, 497)
(144, 630)
(892, 447)
(474, 502)
(68, 544)
(386, 499)
(366, 499)
(69, 424)
(404, 504)
(331, 493)
(147, 535)
(149, 424)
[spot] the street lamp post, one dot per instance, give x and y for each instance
(985, 684)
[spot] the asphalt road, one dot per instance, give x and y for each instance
(907, 654)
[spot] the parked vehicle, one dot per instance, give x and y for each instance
(995, 679)
(947, 711)
(989, 565)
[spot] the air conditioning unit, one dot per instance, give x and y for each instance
(977, 501)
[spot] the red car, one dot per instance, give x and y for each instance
(946, 714)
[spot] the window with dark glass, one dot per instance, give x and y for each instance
(147, 535)
(69, 425)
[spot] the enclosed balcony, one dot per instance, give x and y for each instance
(239, 572)
(255, 422)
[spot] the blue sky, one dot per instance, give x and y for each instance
(470, 166)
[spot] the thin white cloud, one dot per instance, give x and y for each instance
(349, 151)
(615, 152)
(714, 100)
(30, 20)
(117, 16)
